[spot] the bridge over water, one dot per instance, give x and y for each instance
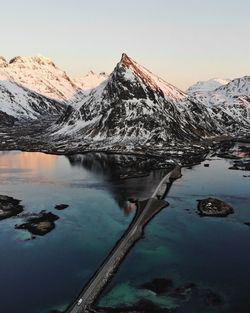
(145, 212)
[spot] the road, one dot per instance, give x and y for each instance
(146, 211)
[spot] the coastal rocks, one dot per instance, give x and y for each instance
(211, 298)
(176, 173)
(159, 285)
(243, 165)
(214, 207)
(190, 293)
(185, 291)
(9, 207)
(228, 155)
(61, 206)
(36, 223)
(40, 225)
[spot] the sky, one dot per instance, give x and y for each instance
(182, 41)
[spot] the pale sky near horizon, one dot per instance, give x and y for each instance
(181, 41)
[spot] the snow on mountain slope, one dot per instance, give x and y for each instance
(39, 74)
(134, 105)
(3, 62)
(230, 103)
(19, 102)
(236, 87)
(208, 85)
(91, 80)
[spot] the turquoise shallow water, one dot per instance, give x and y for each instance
(48, 272)
(211, 252)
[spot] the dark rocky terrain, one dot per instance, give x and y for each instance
(61, 206)
(7, 120)
(9, 207)
(39, 225)
(214, 207)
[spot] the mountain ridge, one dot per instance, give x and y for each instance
(131, 106)
(20, 103)
(229, 103)
(135, 106)
(40, 74)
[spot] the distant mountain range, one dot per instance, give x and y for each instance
(34, 86)
(131, 106)
(229, 101)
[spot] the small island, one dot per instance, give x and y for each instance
(214, 207)
(61, 206)
(9, 207)
(40, 225)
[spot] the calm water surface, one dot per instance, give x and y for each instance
(48, 272)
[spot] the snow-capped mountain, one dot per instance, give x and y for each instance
(17, 102)
(33, 86)
(206, 86)
(39, 74)
(91, 80)
(229, 103)
(135, 106)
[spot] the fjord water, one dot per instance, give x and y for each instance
(48, 272)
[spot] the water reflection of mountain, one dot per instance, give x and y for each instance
(27, 160)
(114, 166)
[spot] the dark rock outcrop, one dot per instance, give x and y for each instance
(7, 120)
(243, 165)
(9, 207)
(211, 298)
(40, 225)
(214, 207)
(61, 206)
(159, 285)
